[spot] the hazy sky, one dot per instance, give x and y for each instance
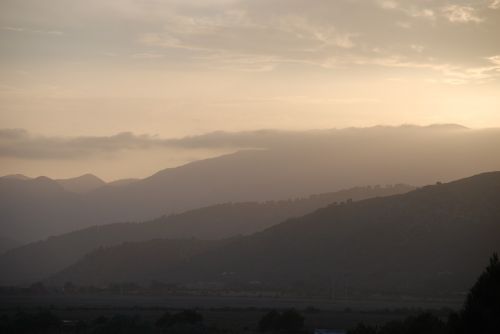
(171, 68)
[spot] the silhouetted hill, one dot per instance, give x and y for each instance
(7, 244)
(81, 184)
(122, 182)
(284, 165)
(16, 177)
(295, 165)
(35, 207)
(136, 260)
(37, 260)
(431, 241)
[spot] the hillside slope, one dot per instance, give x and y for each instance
(37, 207)
(37, 260)
(431, 241)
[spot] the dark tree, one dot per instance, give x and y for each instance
(288, 321)
(190, 317)
(291, 320)
(481, 314)
(122, 324)
(364, 329)
(269, 321)
(41, 322)
(165, 320)
(187, 321)
(455, 323)
(425, 323)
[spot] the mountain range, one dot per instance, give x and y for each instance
(79, 184)
(37, 260)
(269, 165)
(428, 242)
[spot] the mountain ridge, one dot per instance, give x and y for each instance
(81, 184)
(441, 233)
(290, 164)
(33, 261)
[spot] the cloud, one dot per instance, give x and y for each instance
(461, 14)
(262, 36)
(495, 60)
(408, 9)
(20, 144)
(245, 41)
(418, 48)
(449, 73)
(236, 32)
(240, 62)
(388, 4)
(425, 13)
(494, 4)
(33, 31)
(248, 36)
(13, 134)
(147, 55)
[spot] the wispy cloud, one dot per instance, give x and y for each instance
(410, 10)
(494, 4)
(240, 40)
(461, 14)
(33, 31)
(243, 38)
(147, 55)
(20, 144)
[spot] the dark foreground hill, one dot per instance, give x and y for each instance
(37, 260)
(431, 241)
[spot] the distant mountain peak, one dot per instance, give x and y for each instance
(435, 126)
(43, 179)
(81, 184)
(447, 126)
(87, 176)
(17, 177)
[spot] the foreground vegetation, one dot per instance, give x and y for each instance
(480, 315)
(185, 321)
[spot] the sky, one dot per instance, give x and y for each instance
(81, 71)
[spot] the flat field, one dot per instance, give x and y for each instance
(232, 314)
